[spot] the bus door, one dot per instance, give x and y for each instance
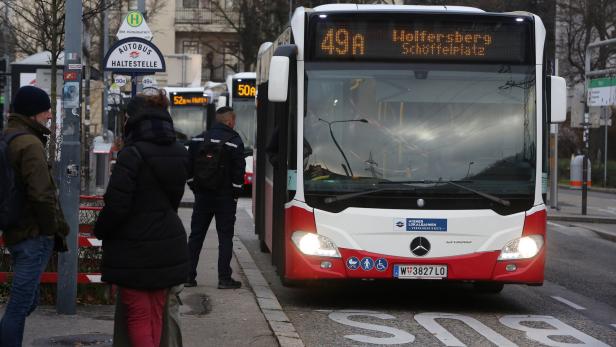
(280, 125)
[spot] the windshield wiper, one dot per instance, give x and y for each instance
(356, 194)
(456, 184)
(482, 194)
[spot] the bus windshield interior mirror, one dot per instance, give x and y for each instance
(558, 99)
(278, 79)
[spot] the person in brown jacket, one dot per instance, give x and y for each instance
(31, 241)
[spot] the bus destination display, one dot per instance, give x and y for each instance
(245, 88)
(189, 99)
(409, 40)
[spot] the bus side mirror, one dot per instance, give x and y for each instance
(278, 85)
(558, 99)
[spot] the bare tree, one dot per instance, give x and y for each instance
(38, 25)
(583, 22)
(258, 21)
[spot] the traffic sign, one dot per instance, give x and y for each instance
(120, 80)
(134, 25)
(602, 92)
(134, 56)
(149, 82)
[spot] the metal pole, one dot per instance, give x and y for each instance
(133, 85)
(605, 112)
(106, 83)
(554, 161)
(290, 10)
(586, 133)
(70, 163)
(7, 77)
(141, 8)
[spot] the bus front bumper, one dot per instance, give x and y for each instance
(481, 266)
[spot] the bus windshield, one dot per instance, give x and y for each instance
(188, 121)
(367, 124)
(246, 121)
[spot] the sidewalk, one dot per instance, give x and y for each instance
(601, 207)
(210, 316)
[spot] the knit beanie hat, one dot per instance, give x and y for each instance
(30, 101)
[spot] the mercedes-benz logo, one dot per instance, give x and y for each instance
(420, 246)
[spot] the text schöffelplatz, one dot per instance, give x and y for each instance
(428, 43)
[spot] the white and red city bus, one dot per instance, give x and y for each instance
(242, 92)
(405, 142)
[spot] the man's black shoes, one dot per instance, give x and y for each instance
(190, 283)
(229, 284)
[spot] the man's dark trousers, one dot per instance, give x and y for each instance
(29, 259)
(208, 206)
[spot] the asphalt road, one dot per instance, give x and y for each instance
(576, 306)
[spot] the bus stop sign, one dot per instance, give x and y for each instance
(134, 56)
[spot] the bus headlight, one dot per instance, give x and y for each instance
(314, 244)
(523, 248)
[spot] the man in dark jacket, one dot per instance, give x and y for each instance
(220, 203)
(31, 241)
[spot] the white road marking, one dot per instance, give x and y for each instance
(249, 211)
(397, 336)
(568, 303)
(428, 321)
(544, 335)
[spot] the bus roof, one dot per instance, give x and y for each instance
(183, 89)
(394, 8)
(244, 75)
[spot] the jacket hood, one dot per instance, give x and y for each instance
(21, 122)
(150, 125)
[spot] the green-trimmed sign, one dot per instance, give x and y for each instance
(602, 91)
(134, 25)
(602, 82)
(134, 19)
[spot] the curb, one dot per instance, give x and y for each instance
(604, 235)
(274, 314)
(582, 219)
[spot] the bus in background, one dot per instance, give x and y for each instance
(189, 110)
(241, 89)
(406, 142)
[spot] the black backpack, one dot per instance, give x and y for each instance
(211, 164)
(12, 195)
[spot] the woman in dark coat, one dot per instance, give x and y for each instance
(144, 242)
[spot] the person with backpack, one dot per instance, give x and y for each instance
(144, 242)
(31, 219)
(218, 166)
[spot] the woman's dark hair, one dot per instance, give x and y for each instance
(156, 99)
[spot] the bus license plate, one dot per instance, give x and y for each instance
(424, 272)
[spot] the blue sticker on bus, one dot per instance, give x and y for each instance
(352, 263)
(381, 264)
(367, 264)
(420, 224)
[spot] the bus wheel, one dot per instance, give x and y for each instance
(290, 283)
(488, 287)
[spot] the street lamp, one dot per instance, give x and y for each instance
(469, 168)
(329, 123)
